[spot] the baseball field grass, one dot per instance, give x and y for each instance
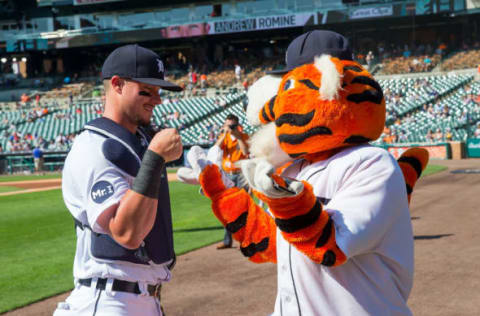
(431, 169)
(16, 177)
(6, 188)
(37, 241)
(56, 175)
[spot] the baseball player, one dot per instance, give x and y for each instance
(115, 186)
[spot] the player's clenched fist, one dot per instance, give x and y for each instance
(167, 143)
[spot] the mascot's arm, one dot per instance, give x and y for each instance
(305, 224)
(412, 162)
(237, 211)
(298, 213)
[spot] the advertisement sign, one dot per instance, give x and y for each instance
(437, 6)
(437, 151)
(373, 12)
(473, 147)
(44, 3)
(406, 8)
(26, 45)
(84, 2)
(261, 23)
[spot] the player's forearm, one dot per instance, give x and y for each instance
(133, 219)
(137, 210)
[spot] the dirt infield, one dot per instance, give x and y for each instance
(447, 258)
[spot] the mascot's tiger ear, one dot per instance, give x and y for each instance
(259, 93)
(332, 76)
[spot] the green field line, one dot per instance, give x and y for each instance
(37, 240)
(16, 177)
(5, 188)
(432, 169)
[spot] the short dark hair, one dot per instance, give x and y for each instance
(232, 117)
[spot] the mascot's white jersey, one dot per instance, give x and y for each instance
(363, 190)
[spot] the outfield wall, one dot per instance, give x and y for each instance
(53, 161)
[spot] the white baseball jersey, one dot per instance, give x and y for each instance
(90, 185)
(363, 190)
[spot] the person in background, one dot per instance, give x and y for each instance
(38, 159)
(233, 143)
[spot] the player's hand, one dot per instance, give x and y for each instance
(260, 176)
(168, 144)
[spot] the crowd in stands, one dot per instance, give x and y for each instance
(436, 111)
(463, 59)
(17, 142)
(237, 69)
(406, 93)
(399, 65)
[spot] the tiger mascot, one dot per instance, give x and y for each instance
(337, 221)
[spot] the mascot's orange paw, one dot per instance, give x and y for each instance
(211, 181)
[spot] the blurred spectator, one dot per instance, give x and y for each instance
(429, 136)
(245, 84)
(238, 72)
(448, 134)
(203, 81)
(476, 134)
(438, 136)
(369, 59)
(38, 159)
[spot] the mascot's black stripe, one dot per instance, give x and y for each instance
(296, 139)
(301, 221)
(409, 189)
(309, 84)
(271, 104)
(265, 116)
(353, 68)
(327, 231)
(253, 248)
(296, 155)
(369, 82)
(236, 225)
(414, 162)
(367, 95)
(329, 258)
(295, 119)
(356, 139)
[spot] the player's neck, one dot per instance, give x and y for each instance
(120, 119)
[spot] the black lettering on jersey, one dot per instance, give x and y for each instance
(101, 191)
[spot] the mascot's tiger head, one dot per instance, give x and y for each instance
(315, 108)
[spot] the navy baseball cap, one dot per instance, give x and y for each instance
(139, 64)
(303, 49)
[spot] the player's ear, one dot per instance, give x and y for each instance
(116, 84)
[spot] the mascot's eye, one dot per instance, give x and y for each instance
(290, 84)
